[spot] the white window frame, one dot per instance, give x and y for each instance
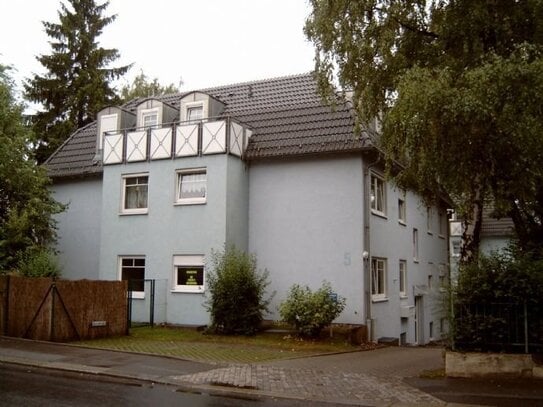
(378, 271)
(135, 294)
(376, 183)
(194, 105)
(402, 268)
(429, 220)
(415, 245)
(188, 261)
(133, 211)
(179, 176)
(149, 112)
(402, 210)
(456, 243)
(442, 223)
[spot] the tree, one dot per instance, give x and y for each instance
(77, 83)
(26, 205)
(237, 293)
(457, 85)
(142, 86)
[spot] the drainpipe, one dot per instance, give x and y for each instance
(366, 255)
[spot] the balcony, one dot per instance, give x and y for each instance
(176, 140)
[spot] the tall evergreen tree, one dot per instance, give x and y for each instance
(459, 87)
(77, 83)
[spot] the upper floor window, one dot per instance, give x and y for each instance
(378, 278)
(401, 209)
(135, 192)
(442, 223)
(191, 186)
(378, 195)
(195, 113)
(415, 245)
(429, 219)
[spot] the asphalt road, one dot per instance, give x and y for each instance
(24, 386)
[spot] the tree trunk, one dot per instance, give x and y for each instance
(471, 235)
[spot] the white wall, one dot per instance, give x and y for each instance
(79, 227)
(305, 226)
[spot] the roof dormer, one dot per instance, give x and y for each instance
(112, 120)
(197, 106)
(152, 113)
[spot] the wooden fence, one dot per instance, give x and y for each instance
(62, 310)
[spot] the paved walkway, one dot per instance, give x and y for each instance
(355, 378)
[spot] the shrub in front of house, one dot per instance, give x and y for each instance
(309, 312)
(38, 262)
(237, 293)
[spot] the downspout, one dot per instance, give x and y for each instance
(366, 255)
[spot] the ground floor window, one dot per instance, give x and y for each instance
(132, 269)
(378, 278)
(189, 273)
(403, 278)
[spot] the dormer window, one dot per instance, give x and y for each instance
(149, 119)
(195, 113)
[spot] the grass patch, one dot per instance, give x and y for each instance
(194, 345)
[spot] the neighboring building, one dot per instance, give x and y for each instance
(158, 184)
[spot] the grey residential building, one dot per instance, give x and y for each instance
(156, 185)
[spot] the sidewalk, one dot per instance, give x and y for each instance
(360, 378)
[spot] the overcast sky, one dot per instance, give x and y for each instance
(204, 42)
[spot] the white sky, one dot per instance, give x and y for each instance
(204, 42)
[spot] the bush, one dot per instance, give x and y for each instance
(309, 312)
(38, 262)
(237, 291)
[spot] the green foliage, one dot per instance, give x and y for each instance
(237, 293)
(142, 86)
(38, 262)
(309, 312)
(77, 82)
(459, 88)
(491, 299)
(26, 206)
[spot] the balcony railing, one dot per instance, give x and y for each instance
(176, 140)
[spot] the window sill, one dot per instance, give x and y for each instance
(441, 236)
(430, 232)
(401, 222)
(187, 291)
(379, 214)
(145, 212)
(403, 296)
(415, 260)
(379, 299)
(137, 296)
(188, 203)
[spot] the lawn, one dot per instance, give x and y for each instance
(190, 344)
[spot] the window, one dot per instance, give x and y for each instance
(442, 223)
(401, 210)
(378, 195)
(195, 113)
(403, 278)
(429, 219)
(149, 119)
(132, 269)
(135, 190)
(189, 274)
(378, 279)
(430, 282)
(456, 248)
(191, 186)
(415, 245)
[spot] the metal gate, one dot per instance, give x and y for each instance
(146, 302)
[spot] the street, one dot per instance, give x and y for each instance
(29, 386)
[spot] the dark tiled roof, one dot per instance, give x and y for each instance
(286, 115)
(493, 226)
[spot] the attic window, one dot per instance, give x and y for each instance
(195, 113)
(149, 119)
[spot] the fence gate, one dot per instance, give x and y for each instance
(146, 303)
